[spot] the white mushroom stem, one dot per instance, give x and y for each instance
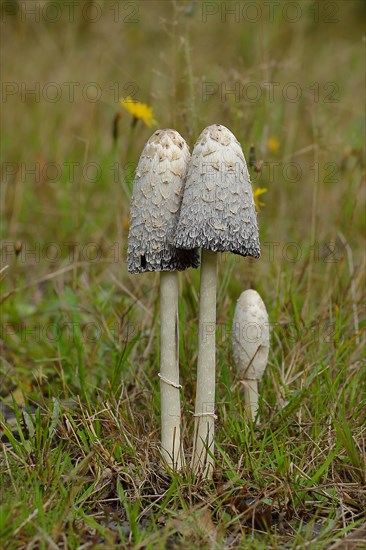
(251, 397)
(203, 442)
(171, 443)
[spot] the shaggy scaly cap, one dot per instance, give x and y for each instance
(157, 195)
(217, 211)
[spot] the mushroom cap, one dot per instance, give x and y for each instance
(157, 194)
(218, 211)
(250, 335)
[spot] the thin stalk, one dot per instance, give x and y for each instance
(171, 444)
(191, 99)
(203, 443)
(251, 397)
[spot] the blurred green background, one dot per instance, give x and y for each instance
(287, 78)
(79, 335)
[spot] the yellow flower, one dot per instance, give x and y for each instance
(257, 192)
(139, 111)
(273, 144)
(126, 224)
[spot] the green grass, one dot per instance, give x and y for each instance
(79, 417)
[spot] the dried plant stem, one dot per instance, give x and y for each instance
(351, 269)
(203, 443)
(169, 372)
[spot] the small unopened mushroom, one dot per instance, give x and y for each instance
(157, 195)
(250, 339)
(217, 215)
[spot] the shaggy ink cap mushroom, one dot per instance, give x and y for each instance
(218, 211)
(250, 346)
(250, 335)
(157, 194)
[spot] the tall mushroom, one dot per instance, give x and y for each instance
(157, 195)
(218, 215)
(250, 339)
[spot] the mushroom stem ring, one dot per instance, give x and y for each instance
(169, 382)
